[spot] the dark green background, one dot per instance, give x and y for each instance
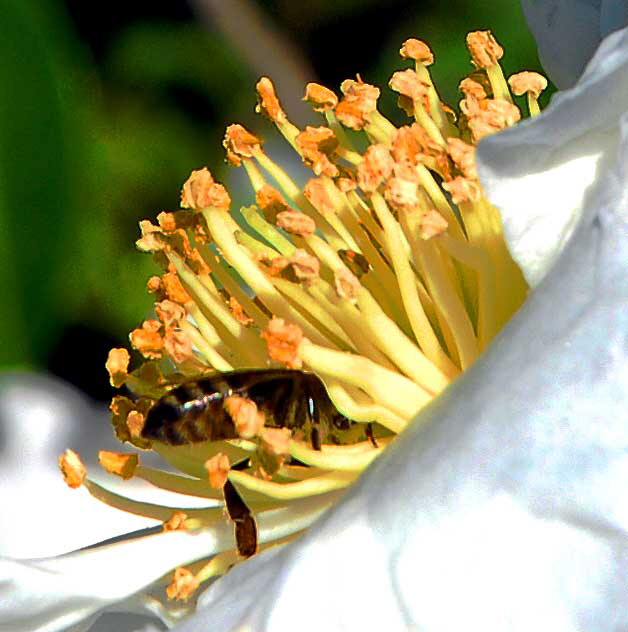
(103, 114)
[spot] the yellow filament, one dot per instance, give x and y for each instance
(288, 491)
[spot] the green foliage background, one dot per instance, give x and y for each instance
(91, 144)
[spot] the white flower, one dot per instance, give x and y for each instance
(568, 32)
(503, 505)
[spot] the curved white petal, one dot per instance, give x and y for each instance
(541, 173)
(55, 593)
(567, 32)
(504, 505)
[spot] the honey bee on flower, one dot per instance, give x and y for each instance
(296, 337)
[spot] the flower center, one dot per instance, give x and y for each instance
(296, 337)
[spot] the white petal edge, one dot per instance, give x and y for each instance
(54, 594)
(540, 173)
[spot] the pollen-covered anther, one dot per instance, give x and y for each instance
(172, 287)
(296, 223)
(135, 423)
(268, 103)
(148, 339)
(418, 50)
(524, 82)
(402, 194)
(155, 286)
(167, 221)
(72, 468)
(376, 167)
(463, 156)
(247, 418)
(304, 266)
(316, 145)
(217, 470)
(176, 522)
(117, 366)
(359, 101)
(200, 191)
(413, 145)
(494, 116)
(463, 189)
(240, 143)
(484, 49)
(472, 88)
(170, 313)
(408, 83)
(272, 266)
(122, 465)
(276, 441)
(270, 201)
(152, 239)
(346, 284)
(320, 98)
(317, 194)
(184, 584)
(432, 224)
(282, 341)
(178, 346)
(238, 312)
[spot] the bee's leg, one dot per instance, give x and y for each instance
(312, 411)
(370, 436)
(240, 514)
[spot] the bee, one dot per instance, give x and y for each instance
(194, 412)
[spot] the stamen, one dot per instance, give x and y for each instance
(376, 285)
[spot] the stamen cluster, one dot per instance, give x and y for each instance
(386, 275)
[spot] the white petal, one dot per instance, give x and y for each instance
(40, 417)
(541, 172)
(52, 594)
(504, 506)
(567, 32)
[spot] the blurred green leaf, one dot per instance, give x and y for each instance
(39, 144)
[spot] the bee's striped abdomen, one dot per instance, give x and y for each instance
(190, 413)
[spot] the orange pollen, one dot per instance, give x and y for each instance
(417, 50)
(432, 224)
(346, 284)
(247, 418)
(320, 97)
(316, 145)
(463, 190)
(317, 194)
(148, 339)
(296, 223)
(376, 167)
(407, 83)
(183, 585)
(176, 522)
(282, 341)
(117, 366)
(484, 49)
(122, 465)
(240, 142)
(238, 312)
(72, 468)
(217, 469)
(271, 202)
(306, 268)
(268, 102)
(463, 156)
(200, 192)
(526, 81)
